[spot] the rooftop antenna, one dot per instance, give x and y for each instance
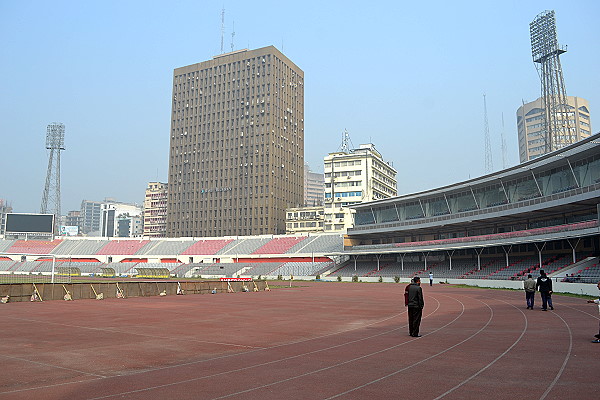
(503, 144)
(346, 142)
(489, 165)
(232, 35)
(222, 28)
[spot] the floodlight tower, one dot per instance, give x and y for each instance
(55, 142)
(546, 56)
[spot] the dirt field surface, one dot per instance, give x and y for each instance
(321, 340)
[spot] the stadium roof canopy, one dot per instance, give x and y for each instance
(559, 188)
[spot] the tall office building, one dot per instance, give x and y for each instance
(91, 215)
(237, 145)
(530, 125)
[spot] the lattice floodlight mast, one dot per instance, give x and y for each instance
(55, 142)
(546, 53)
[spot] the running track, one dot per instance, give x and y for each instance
(317, 341)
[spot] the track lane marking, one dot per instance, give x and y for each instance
(493, 361)
(221, 357)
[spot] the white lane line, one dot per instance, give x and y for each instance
(53, 366)
(262, 364)
(112, 330)
(422, 361)
(222, 356)
(564, 365)
(496, 359)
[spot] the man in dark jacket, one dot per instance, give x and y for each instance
(414, 302)
(544, 285)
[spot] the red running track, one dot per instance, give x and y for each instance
(318, 341)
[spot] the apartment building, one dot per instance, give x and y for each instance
(354, 177)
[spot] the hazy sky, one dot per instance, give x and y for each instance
(406, 76)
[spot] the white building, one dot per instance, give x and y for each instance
(121, 220)
(354, 177)
(304, 219)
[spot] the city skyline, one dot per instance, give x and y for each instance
(381, 72)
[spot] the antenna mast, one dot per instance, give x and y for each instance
(489, 165)
(222, 28)
(546, 56)
(345, 147)
(503, 144)
(232, 35)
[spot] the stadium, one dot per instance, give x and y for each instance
(333, 330)
(542, 214)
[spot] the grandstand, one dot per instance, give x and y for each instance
(542, 214)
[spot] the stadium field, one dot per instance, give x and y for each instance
(316, 340)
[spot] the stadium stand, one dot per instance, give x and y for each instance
(320, 244)
(5, 244)
(260, 269)
(122, 247)
(219, 269)
(299, 268)
(121, 268)
(246, 245)
(33, 246)
(279, 245)
(206, 247)
(165, 247)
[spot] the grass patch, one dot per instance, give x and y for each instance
(580, 296)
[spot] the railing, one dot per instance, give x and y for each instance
(495, 236)
(478, 212)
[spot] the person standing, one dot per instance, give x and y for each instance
(430, 278)
(529, 286)
(415, 304)
(597, 301)
(544, 285)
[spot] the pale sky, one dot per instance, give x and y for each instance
(406, 76)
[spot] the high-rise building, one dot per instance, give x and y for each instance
(530, 125)
(91, 214)
(155, 210)
(353, 177)
(314, 186)
(237, 145)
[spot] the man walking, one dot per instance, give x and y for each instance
(415, 303)
(597, 301)
(544, 285)
(430, 278)
(529, 286)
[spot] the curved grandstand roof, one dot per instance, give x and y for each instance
(564, 181)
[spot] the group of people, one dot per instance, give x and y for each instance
(413, 300)
(543, 284)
